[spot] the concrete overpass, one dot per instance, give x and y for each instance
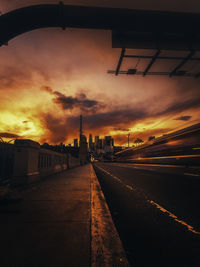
(138, 29)
(30, 18)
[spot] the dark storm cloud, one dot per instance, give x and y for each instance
(121, 129)
(119, 118)
(59, 129)
(183, 105)
(81, 101)
(183, 118)
(114, 118)
(9, 135)
(69, 102)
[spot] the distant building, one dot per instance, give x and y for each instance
(96, 141)
(113, 143)
(83, 157)
(100, 144)
(83, 139)
(108, 144)
(108, 141)
(90, 143)
(83, 150)
(75, 142)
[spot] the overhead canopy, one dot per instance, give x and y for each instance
(29, 18)
(139, 29)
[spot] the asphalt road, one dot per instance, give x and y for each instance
(156, 211)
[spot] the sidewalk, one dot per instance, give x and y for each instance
(60, 221)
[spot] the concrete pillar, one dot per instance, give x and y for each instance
(26, 154)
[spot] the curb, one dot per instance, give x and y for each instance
(106, 246)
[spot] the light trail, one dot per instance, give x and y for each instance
(147, 164)
(171, 157)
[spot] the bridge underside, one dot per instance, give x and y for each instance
(136, 29)
(156, 44)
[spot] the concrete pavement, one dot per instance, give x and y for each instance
(61, 221)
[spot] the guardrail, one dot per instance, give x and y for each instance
(25, 162)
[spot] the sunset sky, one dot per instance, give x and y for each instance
(50, 76)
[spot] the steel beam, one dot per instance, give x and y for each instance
(150, 73)
(185, 60)
(151, 62)
(120, 61)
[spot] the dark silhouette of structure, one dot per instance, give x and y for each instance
(76, 143)
(139, 29)
(91, 146)
(83, 153)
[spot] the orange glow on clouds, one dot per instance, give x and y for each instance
(73, 64)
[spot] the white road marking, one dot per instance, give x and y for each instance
(170, 214)
(189, 227)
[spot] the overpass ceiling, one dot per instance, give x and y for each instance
(138, 29)
(28, 18)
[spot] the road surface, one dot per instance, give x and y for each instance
(156, 211)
